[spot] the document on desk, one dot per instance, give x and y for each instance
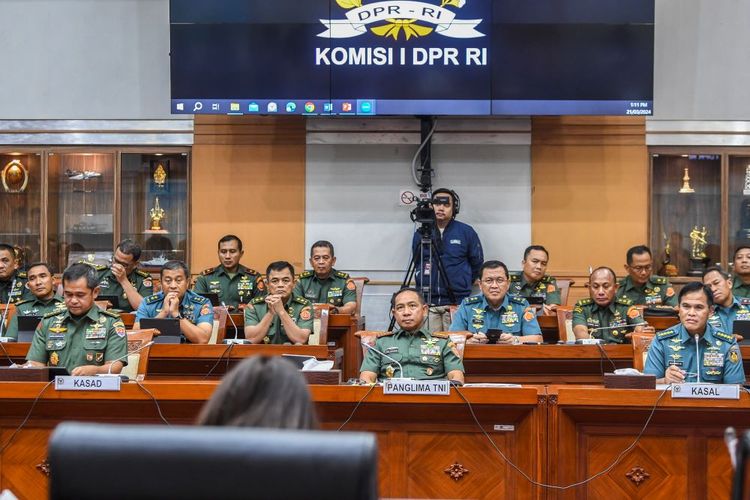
(314, 365)
(705, 391)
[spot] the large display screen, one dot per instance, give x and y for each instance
(399, 57)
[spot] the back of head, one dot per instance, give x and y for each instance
(261, 391)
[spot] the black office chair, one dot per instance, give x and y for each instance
(93, 461)
(741, 451)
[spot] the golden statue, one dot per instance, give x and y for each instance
(160, 176)
(698, 243)
(157, 214)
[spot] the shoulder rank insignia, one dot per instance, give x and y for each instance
(22, 302)
(152, 299)
(515, 277)
(667, 333)
(54, 313)
(585, 302)
(623, 300)
(247, 270)
(198, 299)
(658, 280)
(723, 336)
(306, 274)
(517, 299)
(208, 271)
(342, 275)
(110, 314)
(302, 300)
(472, 300)
(258, 300)
(142, 274)
(22, 275)
(547, 279)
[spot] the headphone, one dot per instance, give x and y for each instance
(454, 195)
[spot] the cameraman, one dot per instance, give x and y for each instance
(457, 245)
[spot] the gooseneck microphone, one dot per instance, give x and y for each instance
(109, 369)
(235, 340)
(373, 348)
(697, 359)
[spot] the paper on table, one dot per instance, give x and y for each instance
(313, 365)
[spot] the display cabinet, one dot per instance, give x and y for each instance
(21, 181)
(63, 205)
(700, 207)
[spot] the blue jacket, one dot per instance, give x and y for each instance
(461, 253)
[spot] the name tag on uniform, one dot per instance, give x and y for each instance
(706, 391)
(70, 383)
(423, 387)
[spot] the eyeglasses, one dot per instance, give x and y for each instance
(492, 281)
(641, 269)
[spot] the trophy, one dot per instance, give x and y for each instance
(698, 257)
(668, 268)
(157, 214)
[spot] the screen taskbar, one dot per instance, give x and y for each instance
(373, 107)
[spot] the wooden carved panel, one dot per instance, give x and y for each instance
(719, 469)
(430, 453)
(655, 468)
(19, 472)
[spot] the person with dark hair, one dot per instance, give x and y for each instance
(604, 315)
(262, 391)
(641, 286)
(419, 354)
(672, 354)
(12, 281)
(235, 284)
(727, 307)
(41, 284)
(741, 266)
(533, 282)
(456, 245)
(175, 301)
(496, 309)
(324, 284)
(82, 338)
(279, 317)
(123, 278)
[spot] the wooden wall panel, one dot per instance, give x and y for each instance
(248, 178)
(589, 191)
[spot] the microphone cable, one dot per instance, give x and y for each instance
(225, 353)
(351, 415)
(576, 484)
(26, 418)
(603, 354)
(156, 402)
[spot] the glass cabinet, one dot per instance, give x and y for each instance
(700, 207)
(65, 205)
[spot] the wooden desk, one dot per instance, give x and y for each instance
(192, 361)
(681, 454)
(417, 450)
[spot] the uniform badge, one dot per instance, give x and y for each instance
(120, 330)
(304, 314)
(389, 371)
(429, 371)
(266, 339)
(633, 312)
(89, 357)
(54, 358)
(350, 285)
(550, 288)
(99, 357)
(205, 309)
(733, 356)
(148, 283)
(260, 285)
(713, 359)
(58, 329)
(529, 314)
(669, 292)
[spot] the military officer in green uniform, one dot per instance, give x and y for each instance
(82, 338)
(175, 301)
(672, 354)
(235, 284)
(532, 283)
(12, 281)
(603, 316)
(741, 281)
(641, 286)
(496, 309)
(727, 307)
(420, 354)
(41, 285)
(324, 284)
(279, 317)
(123, 279)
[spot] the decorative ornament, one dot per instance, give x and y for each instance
(15, 177)
(686, 183)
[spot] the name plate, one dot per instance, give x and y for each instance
(423, 387)
(70, 383)
(706, 391)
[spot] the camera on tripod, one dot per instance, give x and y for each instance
(424, 214)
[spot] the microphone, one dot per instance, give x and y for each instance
(235, 340)
(124, 377)
(401, 368)
(697, 360)
(730, 439)
(5, 312)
